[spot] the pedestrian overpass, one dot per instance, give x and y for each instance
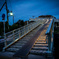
(35, 38)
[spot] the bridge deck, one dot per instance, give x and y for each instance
(23, 46)
(26, 48)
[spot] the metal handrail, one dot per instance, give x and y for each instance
(49, 28)
(50, 36)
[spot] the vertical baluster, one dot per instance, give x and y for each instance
(31, 27)
(28, 28)
(46, 38)
(24, 30)
(13, 35)
(19, 33)
(5, 40)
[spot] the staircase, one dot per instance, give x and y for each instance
(40, 47)
(20, 43)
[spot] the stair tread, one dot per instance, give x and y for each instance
(21, 41)
(38, 52)
(41, 39)
(16, 46)
(20, 44)
(12, 49)
(42, 44)
(39, 48)
(7, 54)
(24, 39)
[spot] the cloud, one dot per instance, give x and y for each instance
(25, 9)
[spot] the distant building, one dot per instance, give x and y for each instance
(42, 17)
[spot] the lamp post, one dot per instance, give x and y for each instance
(11, 14)
(3, 18)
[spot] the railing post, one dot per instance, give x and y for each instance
(24, 29)
(46, 38)
(13, 35)
(5, 41)
(52, 37)
(28, 28)
(19, 33)
(49, 42)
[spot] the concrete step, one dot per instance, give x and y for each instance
(31, 34)
(7, 54)
(19, 44)
(16, 46)
(26, 37)
(40, 48)
(40, 42)
(38, 52)
(41, 39)
(12, 49)
(22, 41)
(31, 56)
(41, 45)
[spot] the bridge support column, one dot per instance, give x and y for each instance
(49, 42)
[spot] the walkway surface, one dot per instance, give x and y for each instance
(24, 46)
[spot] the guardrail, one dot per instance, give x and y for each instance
(50, 36)
(13, 36)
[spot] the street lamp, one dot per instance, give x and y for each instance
(11, 14)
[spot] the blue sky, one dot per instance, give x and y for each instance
(25, 9)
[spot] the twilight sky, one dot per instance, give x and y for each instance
(25, 9)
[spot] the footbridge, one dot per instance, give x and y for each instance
(33, 39)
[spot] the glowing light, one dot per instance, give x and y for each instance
(11, 13)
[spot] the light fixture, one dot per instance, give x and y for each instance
(11, 14)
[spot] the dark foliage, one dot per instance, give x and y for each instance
(46, 16)
(14, 26)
